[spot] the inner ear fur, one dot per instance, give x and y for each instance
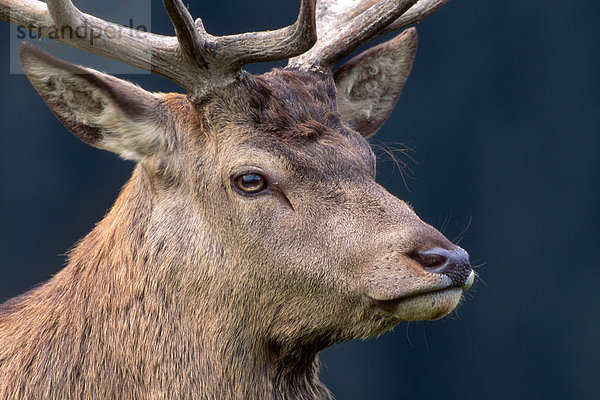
(368, 85)
(103, 111)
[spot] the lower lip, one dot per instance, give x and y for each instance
(396, 306)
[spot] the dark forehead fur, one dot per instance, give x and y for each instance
(290, 104)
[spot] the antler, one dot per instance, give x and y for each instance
(198, 61)
(344, 25)
(194, 59)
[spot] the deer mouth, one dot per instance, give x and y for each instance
(431, 304)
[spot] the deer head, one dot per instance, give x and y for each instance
(253, 222)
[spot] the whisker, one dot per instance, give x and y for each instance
(461, 235)
(408, 335)
(406, 172)
(446, 223)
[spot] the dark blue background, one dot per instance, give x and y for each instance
(502, 110)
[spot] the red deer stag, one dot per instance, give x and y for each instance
(252, 233)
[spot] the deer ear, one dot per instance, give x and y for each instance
(103, 111)
(369, 84)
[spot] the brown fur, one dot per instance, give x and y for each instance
(188, 290)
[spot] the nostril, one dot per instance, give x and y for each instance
(428, 260)
(452, 263)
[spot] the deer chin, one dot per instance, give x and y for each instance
(427, 305)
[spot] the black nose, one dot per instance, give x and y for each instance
(452, 263)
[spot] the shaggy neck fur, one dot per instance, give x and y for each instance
(126, 320)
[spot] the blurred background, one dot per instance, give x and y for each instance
(502, 118)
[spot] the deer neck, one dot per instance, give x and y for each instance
(175, 329)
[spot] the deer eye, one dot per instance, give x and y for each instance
(250, 183)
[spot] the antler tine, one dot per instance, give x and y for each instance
(419, 11)
(344, 25)
(64, 13)
(189, 37)
(293, 40)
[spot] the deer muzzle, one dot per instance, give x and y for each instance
(447, 274)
